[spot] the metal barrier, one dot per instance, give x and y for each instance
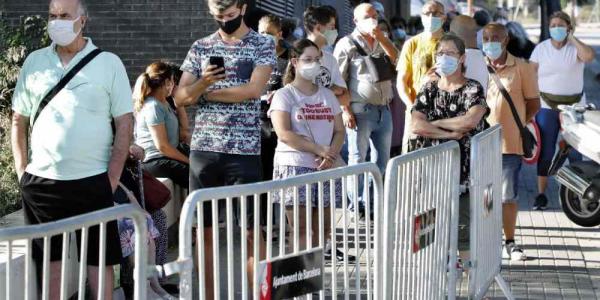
(421, 224)
(65, 227)
(486, 213)
(360, 277)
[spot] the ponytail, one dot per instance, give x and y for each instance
(290, 73)
(148, 82)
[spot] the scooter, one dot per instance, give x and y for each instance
(579, 182)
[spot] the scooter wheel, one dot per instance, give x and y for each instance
(583, 211)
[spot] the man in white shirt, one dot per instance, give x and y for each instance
(466, 29)
(319, 23)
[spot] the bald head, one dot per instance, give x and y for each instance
(74, 7)
(495, 29)
(465, 28)
(363, 11)
(436, 5)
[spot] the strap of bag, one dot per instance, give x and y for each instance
(359, 49)
(63, 82)
(507, 97)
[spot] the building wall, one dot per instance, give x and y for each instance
(138, 31)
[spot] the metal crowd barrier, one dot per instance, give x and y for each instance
(8, 236)
(486, 213)
(421, 224)
(346, 278)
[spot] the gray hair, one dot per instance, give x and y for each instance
(82, 10)
(222, 5)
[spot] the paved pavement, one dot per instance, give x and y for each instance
(564, 259)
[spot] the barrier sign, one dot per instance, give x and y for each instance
(424, 230)
(291, 276)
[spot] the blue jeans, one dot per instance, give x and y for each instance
(373, 128)
(549, 123)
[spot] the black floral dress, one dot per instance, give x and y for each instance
(437, 104)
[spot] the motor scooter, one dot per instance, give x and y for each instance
(579, 182)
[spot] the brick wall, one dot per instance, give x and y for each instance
(138, 31)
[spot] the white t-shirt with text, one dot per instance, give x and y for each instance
(316, 112)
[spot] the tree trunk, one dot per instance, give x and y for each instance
(548, 7)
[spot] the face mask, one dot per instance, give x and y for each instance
(447, 65)
(330, 35)
(62, 31)
(399, 34)
(493, 50)
(558, 34)
(272, 38)
(231, 26)
(310, 71)
(366, 26)
(431, 24)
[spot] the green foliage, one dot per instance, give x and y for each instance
(15, 44)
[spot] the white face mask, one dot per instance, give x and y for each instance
(310, 71)
(367, 25)
(62, 31)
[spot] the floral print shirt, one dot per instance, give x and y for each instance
(437, 104)
(232, 128)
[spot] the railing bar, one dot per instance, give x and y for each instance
(102, 262)
(63, 268)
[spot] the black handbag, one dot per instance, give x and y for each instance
(380, 66)
(529, 141)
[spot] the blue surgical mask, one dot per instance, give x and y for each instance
(431, 24)
(447, 65)
(399, 34)
(558, 34)
(493, 50)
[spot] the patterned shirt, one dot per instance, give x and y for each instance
(224, 127)
(437, 104)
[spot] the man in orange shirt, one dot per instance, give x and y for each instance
(520, 80)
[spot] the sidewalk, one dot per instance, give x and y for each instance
(564, 259)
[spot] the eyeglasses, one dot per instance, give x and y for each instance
(308, 60)
(449, 53)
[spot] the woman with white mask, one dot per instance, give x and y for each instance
(452, 107)
(560, 63)
(308, 122)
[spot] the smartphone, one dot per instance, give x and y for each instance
(218, 61)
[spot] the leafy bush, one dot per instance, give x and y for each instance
(15, 44)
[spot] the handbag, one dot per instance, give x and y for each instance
(528, 139)
(151, 194)
(155, 194)
(339, 161)
(380, 66)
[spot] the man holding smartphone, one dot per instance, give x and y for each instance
(225, 148)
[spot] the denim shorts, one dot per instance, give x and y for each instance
(511, 166)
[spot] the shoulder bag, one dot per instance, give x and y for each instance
(380, 66)
(530, 141)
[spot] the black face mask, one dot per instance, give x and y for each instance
(231, 26)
